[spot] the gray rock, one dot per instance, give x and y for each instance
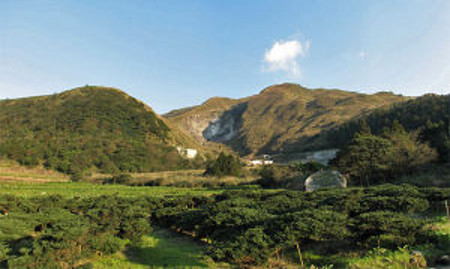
(325, 179)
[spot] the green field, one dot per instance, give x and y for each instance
(82, 189)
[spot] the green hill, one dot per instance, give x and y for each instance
(90, 128)
(282, 118)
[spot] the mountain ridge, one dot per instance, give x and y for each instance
(277, 118)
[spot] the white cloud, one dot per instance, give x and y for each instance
(284, 55)
(362, 54)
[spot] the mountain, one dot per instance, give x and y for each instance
(281, 118)
(90, 128)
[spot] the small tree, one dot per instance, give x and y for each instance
(408, 152)
(224, 165)
(121, 178)
(366, 158)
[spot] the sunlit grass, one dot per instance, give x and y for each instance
(160, 249)
(184, 178)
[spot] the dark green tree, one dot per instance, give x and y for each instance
(365, 159)
(224, 165)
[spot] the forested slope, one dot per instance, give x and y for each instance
(89, 128)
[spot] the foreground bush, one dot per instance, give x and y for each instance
(249, 227)
(242, 227)
(53, 232)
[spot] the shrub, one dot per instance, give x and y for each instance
(308, 167)
(122, 178)
(281, 176)
(77, 176)
(107, 244)
(272, 176)
(386, 229)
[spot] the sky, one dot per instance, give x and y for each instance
(178, 53)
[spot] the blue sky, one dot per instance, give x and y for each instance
(173, 54)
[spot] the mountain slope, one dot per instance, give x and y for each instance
(89, 127)
(282, 118)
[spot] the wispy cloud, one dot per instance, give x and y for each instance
(284, 56)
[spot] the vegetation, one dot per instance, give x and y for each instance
(83, 189)
(291, 176)
(224, 165)
(427, 117)
(252, 227)
(89, 128)
(372, 159)
(160, 249)
(283, 117)
(12, 171)
(52, 231)
(241, 227)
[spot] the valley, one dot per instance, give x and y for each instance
(209, 209)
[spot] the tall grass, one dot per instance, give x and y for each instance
(184, 179)
(12, 171)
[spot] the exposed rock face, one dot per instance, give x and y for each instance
(220, 130)
(325, 179)
(225, 128)
(197, 124)
(208, 121)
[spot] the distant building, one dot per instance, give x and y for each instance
(263, 160)
(188, 153)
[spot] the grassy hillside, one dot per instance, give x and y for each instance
(89, 128)
(282, 118)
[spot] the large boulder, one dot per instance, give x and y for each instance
(325, 179)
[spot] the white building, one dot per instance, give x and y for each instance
(188, 153)
(191, 153)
